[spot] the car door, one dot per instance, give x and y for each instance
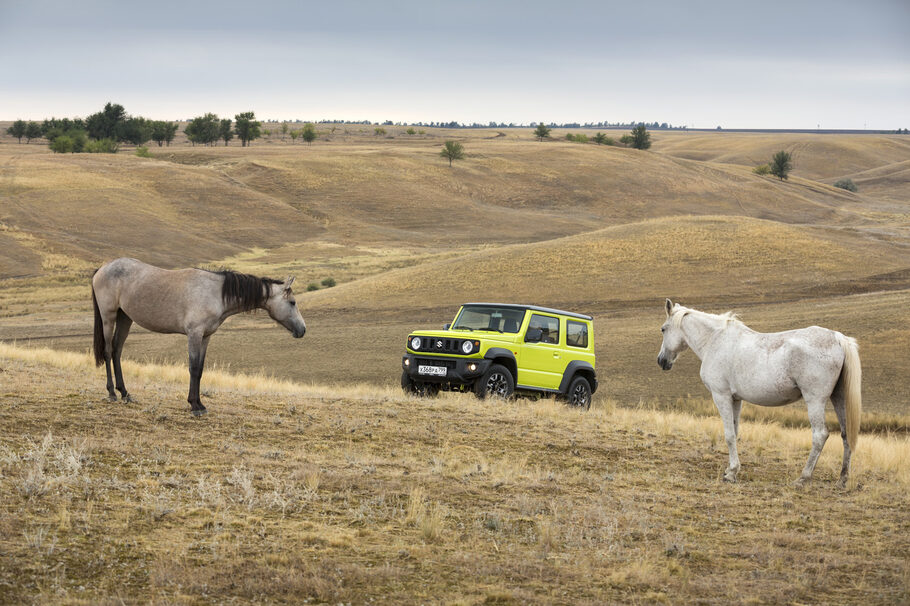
(542, 363)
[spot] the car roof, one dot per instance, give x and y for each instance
(548, 310)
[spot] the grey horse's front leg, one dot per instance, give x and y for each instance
(730, 418)
(197, 344)
(816, 407)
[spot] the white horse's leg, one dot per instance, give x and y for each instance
(839, 401)
(816, 407)
(737, 408)
(724, 403)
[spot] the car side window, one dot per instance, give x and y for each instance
(548, 326)
(576, 334)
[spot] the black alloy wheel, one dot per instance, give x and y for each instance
(579, 394)
(496, 382)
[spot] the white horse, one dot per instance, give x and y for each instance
(770, 369)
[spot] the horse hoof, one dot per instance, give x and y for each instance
(199, 413)
(127, 399)
(729, 479)
(800, 483)
(112, 398)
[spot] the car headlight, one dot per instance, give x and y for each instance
(415, 343)
(467, 347)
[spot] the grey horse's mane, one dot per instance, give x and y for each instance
(680, 312)
(247, 291)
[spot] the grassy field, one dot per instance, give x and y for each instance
(314, 478)
(287, 493)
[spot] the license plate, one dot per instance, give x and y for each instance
(436, 371)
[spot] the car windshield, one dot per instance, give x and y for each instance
(499, 319)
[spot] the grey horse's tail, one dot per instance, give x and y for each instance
(99, 329)
(853, 383)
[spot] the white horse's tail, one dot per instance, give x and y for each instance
(852, 375)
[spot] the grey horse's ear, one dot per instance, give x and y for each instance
(669, 307)
(288, 281)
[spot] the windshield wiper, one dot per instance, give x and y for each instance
(462, 328)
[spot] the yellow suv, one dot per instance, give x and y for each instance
(500, 349)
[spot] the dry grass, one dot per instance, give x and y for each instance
(449, 501)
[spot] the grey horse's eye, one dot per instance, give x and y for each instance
(663, 329)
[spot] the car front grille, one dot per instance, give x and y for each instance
(441, 345)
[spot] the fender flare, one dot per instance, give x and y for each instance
(501, 352)
(572, 369)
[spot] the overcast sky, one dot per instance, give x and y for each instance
(702, 63)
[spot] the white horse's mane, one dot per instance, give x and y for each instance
(680, 312)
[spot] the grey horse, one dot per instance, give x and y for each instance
(193, 302)
(770, 369)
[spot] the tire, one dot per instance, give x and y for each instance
(579, 393)
(497, 381)
(407, 384)
(423, 390)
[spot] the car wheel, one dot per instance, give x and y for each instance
(496, 382)
(579, 394)
(424, 390)
(407, 384)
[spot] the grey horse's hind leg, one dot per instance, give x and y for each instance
(124, 322)
(816, 408)
(197, 345)
(838, 399)
(724, 403)
(108, 322)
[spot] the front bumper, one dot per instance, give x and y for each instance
(458, 370)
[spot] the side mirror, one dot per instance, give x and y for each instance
(447, 326)
(534, 335)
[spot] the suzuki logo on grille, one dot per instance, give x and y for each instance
(439, 344)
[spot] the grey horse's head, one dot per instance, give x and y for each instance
(674, 342)
(282, 307)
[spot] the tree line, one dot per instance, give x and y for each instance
(105, 130)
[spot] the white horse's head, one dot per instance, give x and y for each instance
(674, 340)
(282, 307)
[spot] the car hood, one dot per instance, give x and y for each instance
(477, 335)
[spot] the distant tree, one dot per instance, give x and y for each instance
(312, 286)
(602, 139)
(294, 135)
(72, 141)
(226, 132)
(163, 132)
(411, 131)
(762, 169)
(641, 138)
(62, 145)
(452, 150)
(626, 140)
(247, 127)
(137, 131)
(104, 124)
(847, 184)
(328, 282)
(541, 132)
(781, 165)
(379, 131)
(17, 129)
(308, 133)
(203, 129)
(284, 130)
(32, 131)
